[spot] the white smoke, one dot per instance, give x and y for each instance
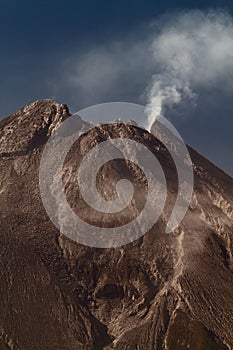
(180, 58)
(192, 51)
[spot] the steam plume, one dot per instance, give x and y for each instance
(191, 52)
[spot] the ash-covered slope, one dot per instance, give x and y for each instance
(160, 292)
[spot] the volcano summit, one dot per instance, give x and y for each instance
(160, 292)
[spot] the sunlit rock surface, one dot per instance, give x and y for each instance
(164, 291)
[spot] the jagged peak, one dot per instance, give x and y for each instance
(35, 121)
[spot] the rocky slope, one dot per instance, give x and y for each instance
(160, 292)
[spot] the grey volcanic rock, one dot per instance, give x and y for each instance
(159, 292)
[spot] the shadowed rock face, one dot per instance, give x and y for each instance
(159, 292)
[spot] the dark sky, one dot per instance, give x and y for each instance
(43, 42)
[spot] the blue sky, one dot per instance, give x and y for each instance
(87, 52)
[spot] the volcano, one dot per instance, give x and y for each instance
(162, 291)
